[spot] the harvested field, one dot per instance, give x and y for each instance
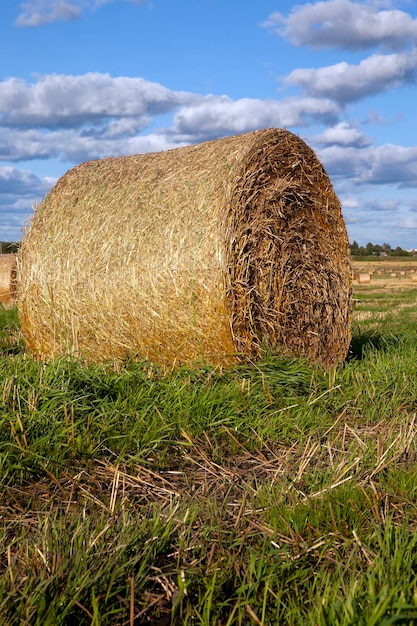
(364, 277)
(275, 493)
(213, 252)
(390, 273)
(393, 284)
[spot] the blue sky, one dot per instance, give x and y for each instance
(87, 79)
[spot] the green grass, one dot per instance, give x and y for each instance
(267, 494)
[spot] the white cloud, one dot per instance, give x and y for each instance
(216, 116)
(15, 181)
(350, 203)
(394, 165)
(24, 144)
(78, 118)
(20, 190)
(39, 12)
(346, 83)
(388, 206)
(99, 3)
(94, 115)
(381, 165)
(344, 24)
(343, 134)
(73, 146)
(381, 219)
(69, 101)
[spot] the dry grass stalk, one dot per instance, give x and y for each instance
(7, 279)
(209, 252)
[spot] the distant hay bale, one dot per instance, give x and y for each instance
(364, 278)
(393, 274)
(414, 277)
(210, 252)
(7, 279)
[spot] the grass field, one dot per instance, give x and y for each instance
(275, 493)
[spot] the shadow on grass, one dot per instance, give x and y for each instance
(361, 342)
(11, 350)
(11, 342)
(371, 340)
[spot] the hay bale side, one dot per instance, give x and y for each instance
(364, 278)
(211, 252)
(7, 279)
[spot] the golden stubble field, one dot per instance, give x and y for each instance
(388, 272)
(380, 288)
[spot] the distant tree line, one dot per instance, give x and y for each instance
(8, 246)
(377, 250)
(356, 250)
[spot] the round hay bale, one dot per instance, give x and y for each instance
(7, 279)
(364, 278)
(414, 277)
(210, 252)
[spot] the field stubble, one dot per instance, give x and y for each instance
(267, 494)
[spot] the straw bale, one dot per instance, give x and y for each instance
(7, 279)
(364, 277)
(414, 278)
(209, 252)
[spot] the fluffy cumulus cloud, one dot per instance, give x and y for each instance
(353, 26)
(345, 83)
(70, 101)
(15, 181)
(344, 24)
(383, 219)
(39, 12)
(388, 206)
(74, 118)
(77, 118)
(387, 165)
(218, 116)
(20, 190)
(393, 165)
(94, 115)
(74, 145)
(342, 134)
